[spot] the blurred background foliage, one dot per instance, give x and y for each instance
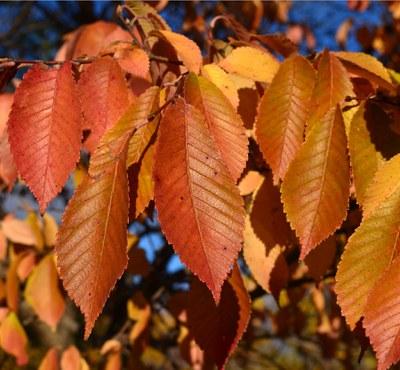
(143, 323)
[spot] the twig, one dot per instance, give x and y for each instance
(18, 62)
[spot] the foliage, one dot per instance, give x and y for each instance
(263, 167)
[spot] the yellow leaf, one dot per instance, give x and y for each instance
(50, 229)
(251, 63)
(222, 80)
(365, 159)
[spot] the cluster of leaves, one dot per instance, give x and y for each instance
(241, 154)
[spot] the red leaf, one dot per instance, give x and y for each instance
(44, 130)
(103, 96)
(193, 189)
(218, 329)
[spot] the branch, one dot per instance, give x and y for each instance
(18, 62)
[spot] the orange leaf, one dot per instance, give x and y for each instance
(12, 282)
(251, 63)
(133, 129)
(26, 265)
(187, 50)
(72, 360)
(92, 241)
(18, 231)
(8, 172)
(385, 182)
(50, 360)
(13, 339)
(315, 190)
(332, 87)
(224, 123)
(381, 320)
(218, 329)
(368, 253)
(283, 112)
(43, 294)
(44, 130)
(364, 158)
(134, 61)
(192, 184)
(366, 66)
(103, 96)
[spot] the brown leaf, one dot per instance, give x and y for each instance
(218, 329)
(44, 126)
(192, 184)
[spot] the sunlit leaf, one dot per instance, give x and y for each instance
(91, 247)
(224, 123)
(251, 63)
(103, 96)
(50, 361)
(368, 253)
(192, 184)
(44, 130)
(315, 190)
(381, 322)
(283, 112)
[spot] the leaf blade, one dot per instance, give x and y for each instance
(194, 185)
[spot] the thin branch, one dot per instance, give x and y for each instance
(16, 61)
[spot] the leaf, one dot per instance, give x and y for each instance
(218, 329)
(332, 87)
(44, 130)
(366, 66)
(91, 247)
(315, 190)
(262, 261)
(321, 258)
(12, 282)
(138, 310)
(43, 294)
(18, 231)
(250, 182)
(134, 61)
(365, 159)
(224, 123)
(192, 184)
(283, 112)
(188, 51)
(72, 360)
(133, 129)
(13, 339)
(26, 265)
(50, 360)
(8, 172)
(50, 229)
(251, 63)
(142, 183)
(103, 95)
(385, 182)
(221, 79)
(381, 320)
(368, 253)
